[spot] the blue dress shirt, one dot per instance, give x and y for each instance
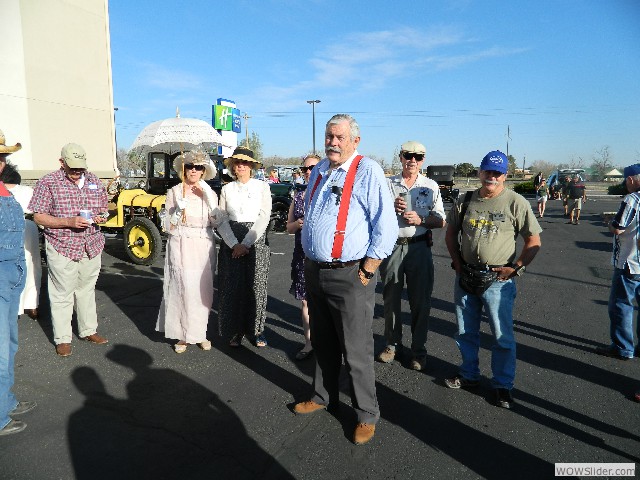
(372, 228)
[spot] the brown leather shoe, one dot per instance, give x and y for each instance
(32, 313)
(63, 349)
(95, 338)
(304, 408)
(363, 433)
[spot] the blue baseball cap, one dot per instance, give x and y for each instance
(496, 161)
(632, 170)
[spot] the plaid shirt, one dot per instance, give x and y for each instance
(56, 195)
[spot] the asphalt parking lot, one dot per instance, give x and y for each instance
(135, 409)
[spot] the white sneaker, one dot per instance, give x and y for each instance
(180, 348)
(206, 345)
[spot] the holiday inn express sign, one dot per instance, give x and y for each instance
(226, 118)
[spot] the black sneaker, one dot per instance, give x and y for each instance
(460, 382)
(503, 398)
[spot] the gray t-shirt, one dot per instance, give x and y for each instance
(491, 226)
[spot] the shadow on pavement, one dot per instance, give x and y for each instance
(168, 427)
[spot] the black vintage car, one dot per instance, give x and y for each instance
(443, 176)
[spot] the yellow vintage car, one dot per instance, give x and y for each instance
(138, 215)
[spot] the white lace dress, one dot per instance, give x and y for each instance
(189, 270)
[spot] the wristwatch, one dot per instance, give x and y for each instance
(367, 275)
(423, 219)
(520, 269)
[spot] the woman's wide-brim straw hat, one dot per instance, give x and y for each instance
(243, 154)
(4, 148)
(196, 158)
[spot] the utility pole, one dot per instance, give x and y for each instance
(524, 160)
(313, 110)
(246, 127)
(509, 138)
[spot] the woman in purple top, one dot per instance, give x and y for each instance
(294, 225)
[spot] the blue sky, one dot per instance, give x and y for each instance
(564, 75)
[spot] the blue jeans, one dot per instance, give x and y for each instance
(12, 278)
(497, 302)
(624, 288)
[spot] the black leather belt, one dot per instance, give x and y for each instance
(410, 240)
(480, 268)
(333, 265)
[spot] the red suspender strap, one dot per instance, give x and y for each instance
(315, 185)
(345, 200)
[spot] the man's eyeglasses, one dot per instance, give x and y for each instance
(75, 170)
(306, 169)
(191, 166)
(409, 155)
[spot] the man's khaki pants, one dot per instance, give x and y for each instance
(72, 283)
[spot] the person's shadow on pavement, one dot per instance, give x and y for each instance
(168, 427)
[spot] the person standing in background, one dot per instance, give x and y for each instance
(295, 222)
(625, 283)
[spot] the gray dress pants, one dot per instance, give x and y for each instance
(415, 264)
(341, 317)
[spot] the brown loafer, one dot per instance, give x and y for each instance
(304, 408)
(32, 313)
(63, 349)
(95, 338)
(363, 433)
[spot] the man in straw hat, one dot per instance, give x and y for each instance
(12, 278)
(350, 227)
(70, 203)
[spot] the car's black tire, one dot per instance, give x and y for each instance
(279, 215)
(142, 241)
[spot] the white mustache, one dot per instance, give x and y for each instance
(491, 182)
(333, 149)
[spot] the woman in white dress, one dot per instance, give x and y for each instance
(190, 259)
(243, 261)
(30, 297)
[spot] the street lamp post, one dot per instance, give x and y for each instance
(313, 109)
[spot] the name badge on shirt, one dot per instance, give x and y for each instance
(92, 186)
(497, 216)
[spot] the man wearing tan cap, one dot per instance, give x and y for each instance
(69, 203)
(419, 208)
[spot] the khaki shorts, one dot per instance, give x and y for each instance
(575, 204)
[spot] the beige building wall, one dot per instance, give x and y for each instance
(55, 83)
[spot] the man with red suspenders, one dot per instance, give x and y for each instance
(349, 228)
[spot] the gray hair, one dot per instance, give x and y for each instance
(353, 125)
